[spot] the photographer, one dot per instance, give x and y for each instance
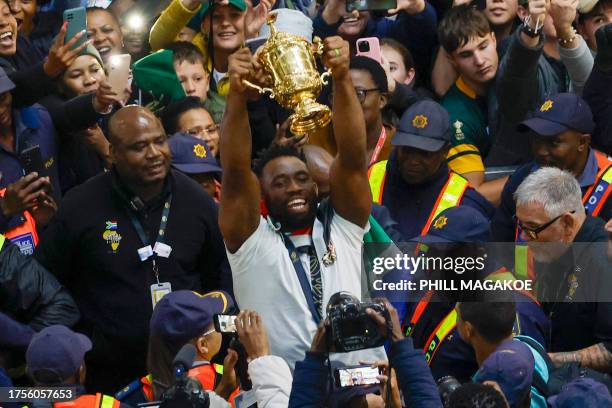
(310, 382)
(269, 374)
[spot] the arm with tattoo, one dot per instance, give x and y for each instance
(597, 357)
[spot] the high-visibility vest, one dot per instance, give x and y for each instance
(449, 322)
(90, 401)
(450, 195)
(593, 199)
(25, 235)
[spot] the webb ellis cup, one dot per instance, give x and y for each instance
(289, 61)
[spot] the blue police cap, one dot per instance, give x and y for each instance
(458, 224)
(56, 349)
(511, 366)
(582, 392)
(192, 155)
(425, 125)
(184, 315)
(562, 112)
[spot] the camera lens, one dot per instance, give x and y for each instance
(364, 47)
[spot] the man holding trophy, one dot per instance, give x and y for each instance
(277, 234)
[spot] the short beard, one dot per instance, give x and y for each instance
(289, 223)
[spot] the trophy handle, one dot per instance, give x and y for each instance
(261, 90)
(324, 77)
(316, 41)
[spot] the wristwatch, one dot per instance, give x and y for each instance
(528, 30)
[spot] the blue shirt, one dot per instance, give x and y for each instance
(502, 225)
(410, 205)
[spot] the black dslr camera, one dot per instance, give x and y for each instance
(351, 327)
(186, 392)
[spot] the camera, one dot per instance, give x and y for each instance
(351, 327)
(363, 46)
(186, 392)
(446, 386)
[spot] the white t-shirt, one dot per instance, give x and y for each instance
(265, 281)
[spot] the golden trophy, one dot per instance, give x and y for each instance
(289, 61)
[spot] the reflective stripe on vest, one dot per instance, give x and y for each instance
(596, 196)
(2, 239)
(594, 199)
(25, 235)
(450, 195)
(376, 176)
(90, 401)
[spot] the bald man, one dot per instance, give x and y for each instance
(124, 238)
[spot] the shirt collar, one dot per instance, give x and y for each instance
(589, 174)
(465, 88)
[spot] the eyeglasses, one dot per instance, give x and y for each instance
(361, 94)
(204, 132)
(532, 233)
(211, 331)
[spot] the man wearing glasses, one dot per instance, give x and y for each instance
(560, 135)
(415, 184)
(572, 270)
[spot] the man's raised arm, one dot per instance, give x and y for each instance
(240, 194)
(350, 192)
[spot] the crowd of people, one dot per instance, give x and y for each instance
(136, 215)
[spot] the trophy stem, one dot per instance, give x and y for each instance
(309, 115)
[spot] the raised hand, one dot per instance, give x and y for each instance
(105, 98)
(61, 55)
(336, 56)
(252, 334)
(24, 194)
(409, 6)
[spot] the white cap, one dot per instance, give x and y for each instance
(289, 21)
(586, 6)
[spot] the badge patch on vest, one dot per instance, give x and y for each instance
(25, 243)
(111, 236)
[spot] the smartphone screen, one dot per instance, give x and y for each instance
(358, 375)
(77, 22)
(225, 323)
(31, 161)
(119, 72)
(363, 5)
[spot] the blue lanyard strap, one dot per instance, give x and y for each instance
(303, 278)
(162, 225)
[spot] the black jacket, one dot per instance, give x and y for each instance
(576, 291)
(30, 294)
(91, 246)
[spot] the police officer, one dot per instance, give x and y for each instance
(55, 357)
(125, 238)
(459, 232)
(193, 157)
(415, 184)
(179, 318)
(560, 134)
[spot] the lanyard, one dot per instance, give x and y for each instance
(147, 251)
(303, 278)
(379, 146)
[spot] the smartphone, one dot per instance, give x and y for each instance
(356, 375)
(31, 161)
(369, 47)
(118, 67)
(254, 43)
(363, 5)
(224, 323)
(77, 22)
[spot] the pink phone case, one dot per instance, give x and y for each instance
(373, 46)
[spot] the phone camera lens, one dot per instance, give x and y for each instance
(364, 47)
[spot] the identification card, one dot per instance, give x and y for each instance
(145, 253)
(162, 249)
(245, 399)
(158, 291)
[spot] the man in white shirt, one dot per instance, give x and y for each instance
(265, 251)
